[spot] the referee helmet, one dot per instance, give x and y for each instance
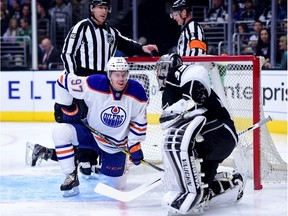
(180, 5)
(94, 3)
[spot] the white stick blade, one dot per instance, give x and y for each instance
(127, 196)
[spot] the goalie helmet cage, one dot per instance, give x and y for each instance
(236, 79)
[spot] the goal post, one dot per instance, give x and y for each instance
(237, 81)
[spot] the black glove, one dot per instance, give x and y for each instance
(71, 114)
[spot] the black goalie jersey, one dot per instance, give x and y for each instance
(179, 85)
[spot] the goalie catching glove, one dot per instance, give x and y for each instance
(71, 114)
(136, 154)
(179, 111)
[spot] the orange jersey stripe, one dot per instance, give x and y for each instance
(137, 128)
(65, 151)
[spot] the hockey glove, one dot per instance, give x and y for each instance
(71, 114)
(136, 154)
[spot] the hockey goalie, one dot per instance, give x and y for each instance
(199, 134)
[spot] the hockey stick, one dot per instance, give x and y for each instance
(121, 149)
(126, 196)
(259, 124)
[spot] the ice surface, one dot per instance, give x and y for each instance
(34, 191)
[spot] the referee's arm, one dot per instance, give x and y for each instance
(128, 46)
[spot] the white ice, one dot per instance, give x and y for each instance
(34, 191)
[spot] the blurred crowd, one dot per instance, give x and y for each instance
(251, 21)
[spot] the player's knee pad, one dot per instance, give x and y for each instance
(64, 133)
(115, 182)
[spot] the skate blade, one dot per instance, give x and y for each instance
(69, 193)
(29, 155)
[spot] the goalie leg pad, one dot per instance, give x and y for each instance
(185, 189)
(178, 202)
(226, 189)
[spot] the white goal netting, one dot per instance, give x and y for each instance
(237, 81)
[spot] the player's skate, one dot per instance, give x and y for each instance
(35, 153)
(70, 186)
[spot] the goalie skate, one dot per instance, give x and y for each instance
(70, 186)
(31, 158)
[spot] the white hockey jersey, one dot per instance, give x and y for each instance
(120, 116)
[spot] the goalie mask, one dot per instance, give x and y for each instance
(166, 63)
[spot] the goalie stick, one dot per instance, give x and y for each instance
(257, 125)
(127, 196)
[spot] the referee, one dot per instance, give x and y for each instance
(192, 39)
(91, 42)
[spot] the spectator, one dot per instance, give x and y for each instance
(64, 16)
(214, 28)
(43, 18)
(248, 14)
(283, 49)
(61, 22)
(217, 13)
(15, 9)
(236, 10)
(257, 26)
(24, 31)
(4, 17)
(281, 12)
(51, 54)
(80, 10)
(263, 46)
(243, 31)
(12, 31)
(26, 13)
(284, 27)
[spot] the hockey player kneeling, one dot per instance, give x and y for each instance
(199, 134)
(116, 109)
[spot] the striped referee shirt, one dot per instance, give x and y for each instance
(192, 40)
(88, 47)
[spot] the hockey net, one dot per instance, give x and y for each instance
(236, 79)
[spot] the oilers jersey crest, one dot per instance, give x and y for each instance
(113, 116)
